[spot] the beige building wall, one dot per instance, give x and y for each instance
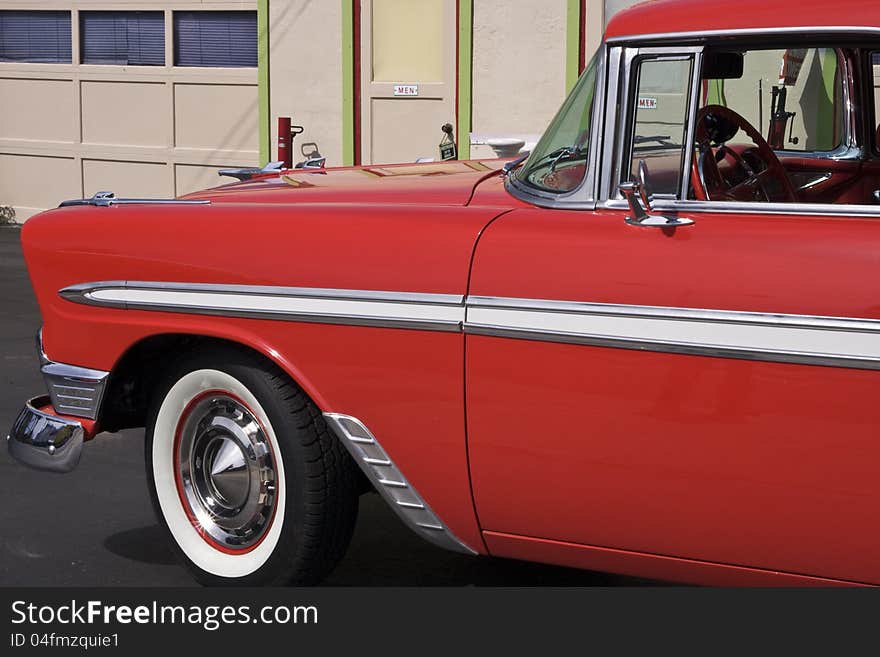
(597, 15)
(519, 69)
(305, 73)
(70, 130)
(519, 76)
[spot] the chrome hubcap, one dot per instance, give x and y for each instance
(227, 472)
(225, 479)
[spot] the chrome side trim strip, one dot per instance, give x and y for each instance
(829, 341)
(682, 348)
(673, 313)
(788, 338)
(438, 312)
(389, 481)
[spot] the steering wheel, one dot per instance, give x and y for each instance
(764, 180)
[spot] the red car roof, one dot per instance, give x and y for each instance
(664, 16)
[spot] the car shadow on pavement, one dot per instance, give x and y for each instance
(385, 553)
(144, 544)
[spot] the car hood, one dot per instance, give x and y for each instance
(432, 183)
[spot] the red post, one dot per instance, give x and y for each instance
(285, 147)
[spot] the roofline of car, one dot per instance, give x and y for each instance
(694, 35)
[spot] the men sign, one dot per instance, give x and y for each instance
(406, 90)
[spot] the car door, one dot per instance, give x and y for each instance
(706, 392)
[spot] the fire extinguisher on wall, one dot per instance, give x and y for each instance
(286, 135)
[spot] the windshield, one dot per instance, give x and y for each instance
(559, 161)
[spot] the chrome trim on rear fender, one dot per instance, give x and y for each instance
(389, 481)
(44, 441)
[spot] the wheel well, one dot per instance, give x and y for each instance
(135, 376)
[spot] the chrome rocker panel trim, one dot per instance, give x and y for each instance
(44, 441)
(389, 481)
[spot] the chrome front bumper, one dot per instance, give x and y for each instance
(45, 441)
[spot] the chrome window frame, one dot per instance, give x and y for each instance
(623, 49)
(583, 197)
(620, 135)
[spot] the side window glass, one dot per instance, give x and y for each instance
(767, 120)
(660, 119)
(793, 96)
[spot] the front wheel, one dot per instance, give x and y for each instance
(245, 475)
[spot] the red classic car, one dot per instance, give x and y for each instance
(649, 348)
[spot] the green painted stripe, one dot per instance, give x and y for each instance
(348, 73)
(465, 76)
(572, 43)
(263, 80)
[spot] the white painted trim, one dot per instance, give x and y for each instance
(708, 334)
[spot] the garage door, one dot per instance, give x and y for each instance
(143, 103)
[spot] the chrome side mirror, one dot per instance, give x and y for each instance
(640, 199)
(645, 191)
(632, 192)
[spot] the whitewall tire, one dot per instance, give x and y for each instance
(245, 475)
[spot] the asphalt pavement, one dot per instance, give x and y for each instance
(95, 526)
